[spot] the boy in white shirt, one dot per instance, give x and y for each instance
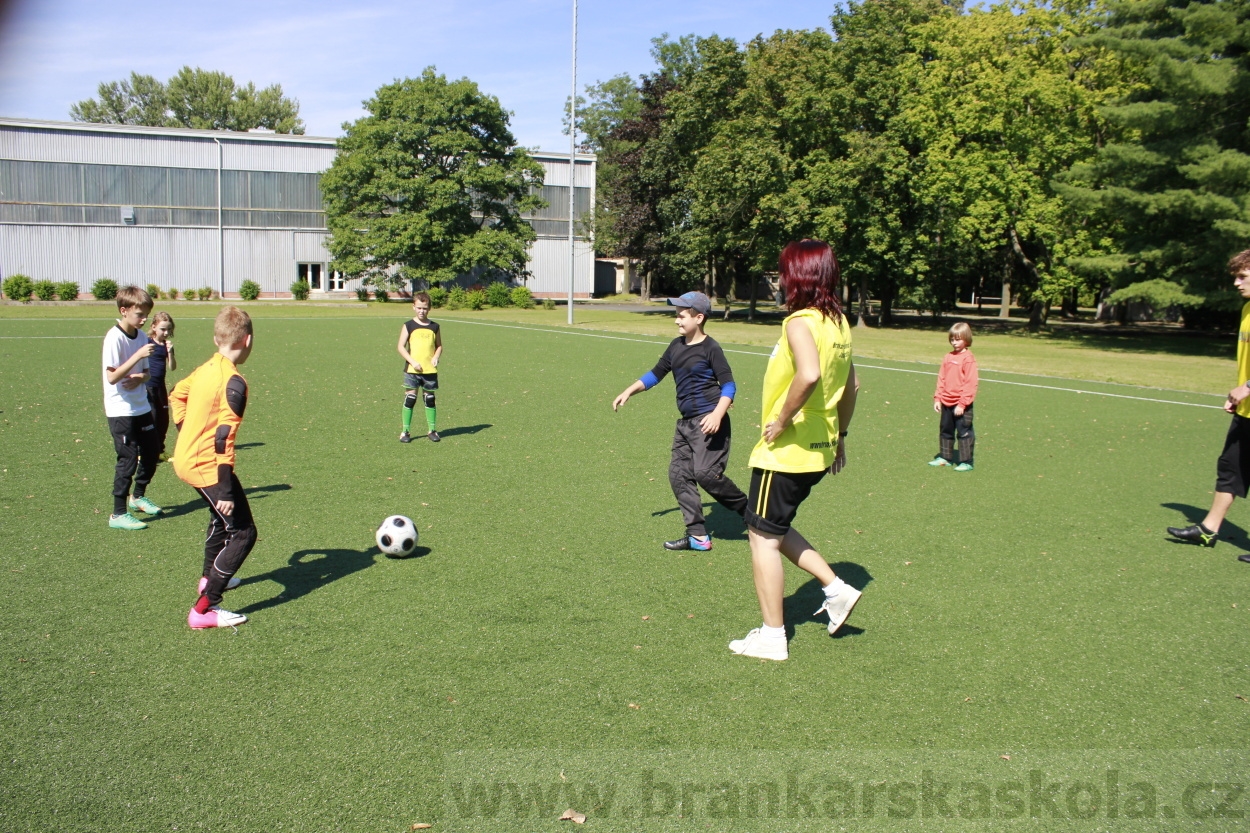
(126, 351)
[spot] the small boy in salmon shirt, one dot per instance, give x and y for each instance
(956, 388)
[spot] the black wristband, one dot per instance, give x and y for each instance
(841, 434)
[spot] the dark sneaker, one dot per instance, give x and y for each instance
(689, 543)
(1244, 557)
(405, 437)
(1196, 534)
(434, 437)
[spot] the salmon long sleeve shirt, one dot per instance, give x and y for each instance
(207, 407)
(957, 379)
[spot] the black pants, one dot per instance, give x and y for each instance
(134, 438)
(956, 427)
(230, 537)
(158, 398)
(699, 460)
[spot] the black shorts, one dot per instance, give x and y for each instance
(425, 381)
(1234, 462)
(775, 498)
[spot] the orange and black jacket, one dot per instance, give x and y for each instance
(207, 407)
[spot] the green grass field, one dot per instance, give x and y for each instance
(1030, 650)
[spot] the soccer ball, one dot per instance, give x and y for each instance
(397, 535)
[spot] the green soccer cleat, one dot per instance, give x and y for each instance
(142, 504)
(964, 467)
(939, 461)
(126, 521)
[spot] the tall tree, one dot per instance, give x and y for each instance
(430, 185)
(880, 229)
(1006, 101)
(1172, 187)
(192, 98)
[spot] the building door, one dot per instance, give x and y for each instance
(311, 273)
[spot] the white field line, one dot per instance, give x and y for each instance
(740, 352)
(857, 364)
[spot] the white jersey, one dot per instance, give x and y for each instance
(118, 347)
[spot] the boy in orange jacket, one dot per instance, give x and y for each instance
(207, 407)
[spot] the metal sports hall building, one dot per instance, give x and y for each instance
(187, 209)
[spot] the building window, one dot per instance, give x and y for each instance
(311, 273)
(336, 282)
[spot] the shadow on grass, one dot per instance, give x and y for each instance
(723, 524)
(247, 445)
(254, 493)
(307, 570)
(1229, 531)
(464, 429)
(800, 606)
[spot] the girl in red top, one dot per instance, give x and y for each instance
(956, 388)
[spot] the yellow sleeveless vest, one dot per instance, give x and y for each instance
(810, 442)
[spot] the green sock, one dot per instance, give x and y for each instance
(407, 419)
(429, 417)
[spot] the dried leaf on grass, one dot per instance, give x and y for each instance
(421, 826)
(573, 816)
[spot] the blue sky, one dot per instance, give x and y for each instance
(332, 56)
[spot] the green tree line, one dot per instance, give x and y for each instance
(1044, 151)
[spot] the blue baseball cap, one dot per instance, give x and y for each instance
(696, 301)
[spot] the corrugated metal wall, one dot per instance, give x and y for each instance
(549, 263)
(32, 242)
(109, 145)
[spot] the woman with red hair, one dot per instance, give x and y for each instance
(809, 398)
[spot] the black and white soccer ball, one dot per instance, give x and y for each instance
(397, 535)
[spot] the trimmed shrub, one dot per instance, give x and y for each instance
(362, 293)
(475, 299)
(204, 293)
(249, 290)
(19, 287)
(45, 290)
(438, 296)
(497, 295)
(171, 294)
(381, 295)
(299, 290)
(456, 297)
(104, 289)
(154, 291)
(67, 291)
(521, 297)
(549, 303)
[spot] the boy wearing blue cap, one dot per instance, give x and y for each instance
(705, 390)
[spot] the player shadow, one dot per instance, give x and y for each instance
(248, 445)
(195, 504)
(308, 570)
(721, 523)
(800, 606)
(1229, 531)
(464, 429)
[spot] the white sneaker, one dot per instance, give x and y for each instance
(839, 605)
(755, 644)
(234, 582)
(216, 617)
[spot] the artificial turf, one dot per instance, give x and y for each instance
(1026, 620)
